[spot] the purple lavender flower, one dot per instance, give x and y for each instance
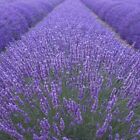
(62, 124)
(138, 132)
(112, 101)
(101, 131)
(73, 109)
(117, 136)
(45, 126)
(130, 116)
(65, 138)
(56, 129)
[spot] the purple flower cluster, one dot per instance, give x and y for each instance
(17, 17)
(70, 78)
(123, 16)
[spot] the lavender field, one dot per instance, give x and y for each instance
(69, 70)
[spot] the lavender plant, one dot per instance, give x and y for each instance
(123, 16)
(16, 18)
(68, 96)
(6, 1)
(72, 82)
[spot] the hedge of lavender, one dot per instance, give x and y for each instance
(70, 78)
(6, 1)
(16, 18)
(123, 16)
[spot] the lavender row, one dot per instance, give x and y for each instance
(16, 18)
(123, 16)
(69, 79)
(6, 1)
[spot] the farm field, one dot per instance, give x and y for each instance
(69, 70)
